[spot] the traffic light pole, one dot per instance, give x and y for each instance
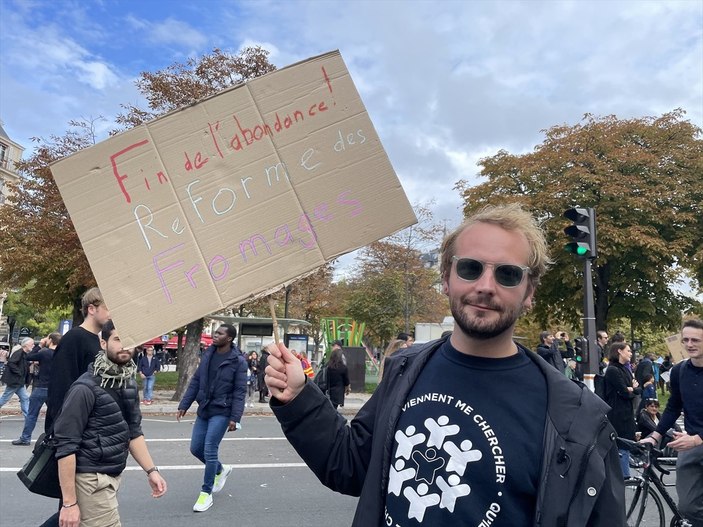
(589, 325)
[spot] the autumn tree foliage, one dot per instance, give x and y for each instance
(185, 83)
(40, 244)
(643, 176)
(392, 289)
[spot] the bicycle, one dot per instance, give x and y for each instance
(643, 488)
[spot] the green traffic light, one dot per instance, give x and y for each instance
(579, 249)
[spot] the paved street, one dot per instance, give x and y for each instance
(269, 485)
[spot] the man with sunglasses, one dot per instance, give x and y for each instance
(471, 429)
(686, 395)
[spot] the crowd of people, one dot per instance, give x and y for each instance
(473, 413)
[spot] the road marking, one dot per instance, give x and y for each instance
(181, 439)
(242, 466)
(187, 439)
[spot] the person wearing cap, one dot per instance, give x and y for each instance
(473, 428)
(15, 374)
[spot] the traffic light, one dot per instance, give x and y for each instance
(582, 232)
(581, 350)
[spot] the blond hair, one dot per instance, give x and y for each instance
(511, 217)
(393, 346)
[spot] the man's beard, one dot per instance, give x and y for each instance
(478, 327)
(116, 357)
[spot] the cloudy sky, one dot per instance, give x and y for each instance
(445, 83)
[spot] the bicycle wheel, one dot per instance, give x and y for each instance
(643, 510)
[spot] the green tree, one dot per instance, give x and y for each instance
(40, 245)
(392, 289)
(39, 320)
(643, 177)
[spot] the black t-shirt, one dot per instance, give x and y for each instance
(75, 352)
(468, 443)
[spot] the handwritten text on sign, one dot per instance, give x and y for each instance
(231, 197)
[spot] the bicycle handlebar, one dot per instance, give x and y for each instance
(652, 452)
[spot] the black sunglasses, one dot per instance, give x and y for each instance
(507, 275)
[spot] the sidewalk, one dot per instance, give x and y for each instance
(162, 405)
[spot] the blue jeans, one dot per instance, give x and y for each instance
(148, 383)
(625, 462)
(205, 443)
(21, 392)
(36, 401)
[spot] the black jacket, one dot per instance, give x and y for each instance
(223, 395)
(554, 356)
(15, 370)
(619, 398)
(644, 368)
(355, 459)
(337, 382)
(44, 357)
(92, 426)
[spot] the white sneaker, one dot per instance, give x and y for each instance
(204, 502)
(221, 478)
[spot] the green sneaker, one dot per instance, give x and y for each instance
(204, 502)
(221, 478)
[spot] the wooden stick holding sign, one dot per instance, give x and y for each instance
(272, 307)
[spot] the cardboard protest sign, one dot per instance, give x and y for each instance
(232, 197)
(676, 349)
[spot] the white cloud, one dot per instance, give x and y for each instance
(175, 32)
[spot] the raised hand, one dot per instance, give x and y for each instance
(284, 373)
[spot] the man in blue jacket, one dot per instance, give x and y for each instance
(148, 366)
(219, 385)
(472, 429)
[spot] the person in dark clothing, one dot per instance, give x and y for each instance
(76, 351)
(648, 420)
(474, 414)
(219, 385)
(550, 351)
(263, 389)
(99, 424)
(337, 378)
(149, 365)
(601, 344)
(686, 396)
(644, 368)
(15, 375)
(665, 366)
(620, 391)
(44, 358)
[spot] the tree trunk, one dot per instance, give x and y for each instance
(188, 359)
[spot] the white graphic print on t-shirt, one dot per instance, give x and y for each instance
(430, 468)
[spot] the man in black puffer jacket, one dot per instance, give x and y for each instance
(99, 423)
